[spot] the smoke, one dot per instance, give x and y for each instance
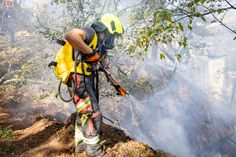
(175, 135)
(181, 118)
(192, 112)
(33, 3)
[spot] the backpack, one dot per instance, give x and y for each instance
(66, 60)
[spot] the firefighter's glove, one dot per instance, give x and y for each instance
(92, 58)
(120, 90)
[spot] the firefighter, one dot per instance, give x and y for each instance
(7, 20)
(93, 44)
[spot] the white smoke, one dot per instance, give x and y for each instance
(175, 135)
(192, 113)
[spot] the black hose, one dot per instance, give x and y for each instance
(97, 80)
(59, 91)
(84, 79)
(75, 86)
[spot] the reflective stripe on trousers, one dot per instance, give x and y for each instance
(89, 119)
(79, 137)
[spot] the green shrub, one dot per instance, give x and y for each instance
(5, 134)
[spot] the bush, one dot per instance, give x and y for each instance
(5, 134)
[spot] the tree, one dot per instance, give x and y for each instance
(166, 21)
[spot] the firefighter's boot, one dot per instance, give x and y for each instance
(80, 147)
(95, 150)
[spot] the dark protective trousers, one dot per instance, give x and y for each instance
(89, 118)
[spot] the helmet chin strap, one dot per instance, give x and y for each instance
(102, 43)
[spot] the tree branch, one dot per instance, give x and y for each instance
(7, 74)
(86, 18)
(224, 15)
(123, 10)
(40, 23)
(203, 14)
(103, 7)
(9, 81)
(220, 21)
(231, 5)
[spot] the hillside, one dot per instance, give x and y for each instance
(46, 137)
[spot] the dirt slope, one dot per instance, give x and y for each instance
(47, 138)
(34, 135)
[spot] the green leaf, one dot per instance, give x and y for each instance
(132, 48)
(177, 29)
(185, 42)
(181, 26)
(162, 56)
(179, 57)
(219, 11)
(190, 4)
(203, 18)
(164, 42)
(202, 1)
(197, 14)
(234, 38)
(190, 27)
(150, 32)
(190, 21)
(180, 43)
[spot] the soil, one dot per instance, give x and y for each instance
(45, 137)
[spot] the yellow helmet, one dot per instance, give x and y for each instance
(112, 23)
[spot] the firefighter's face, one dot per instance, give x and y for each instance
(109, 40)
(9, 4)
(102, 36)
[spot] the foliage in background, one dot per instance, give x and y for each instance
(71, 14)
(152, 21)
(167, 21)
